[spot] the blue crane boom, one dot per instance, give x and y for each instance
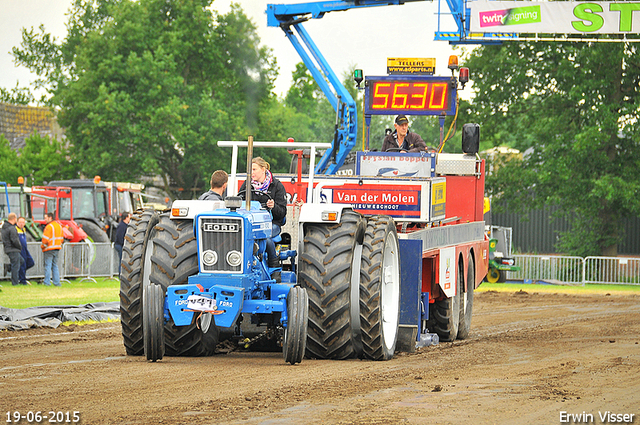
(290, 17)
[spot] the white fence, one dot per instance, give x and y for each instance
(577, 270)
(74, 260)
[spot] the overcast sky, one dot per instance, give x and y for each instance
(364, 37)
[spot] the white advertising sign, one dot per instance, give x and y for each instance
(555, 17)
(448, 271)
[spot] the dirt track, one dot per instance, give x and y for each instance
(529, 358)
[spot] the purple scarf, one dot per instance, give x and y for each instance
(262, 187)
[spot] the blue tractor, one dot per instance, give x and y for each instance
(224, 244)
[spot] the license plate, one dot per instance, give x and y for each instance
(200, 303)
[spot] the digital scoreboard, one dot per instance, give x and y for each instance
(410, 95)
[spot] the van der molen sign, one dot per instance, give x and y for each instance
(556, 17)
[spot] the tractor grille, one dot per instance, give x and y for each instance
(221, 235)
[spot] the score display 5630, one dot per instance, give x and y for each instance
(413, 97)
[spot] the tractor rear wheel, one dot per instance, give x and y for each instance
(153, 322)
(380, 289)
(466, 301)
(325, 271)
(93, 231)
(295, 334)
(174, 258)
(136, 265)
(445, 314)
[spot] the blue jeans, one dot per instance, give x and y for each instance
(273, 261)
(119, 250)
(51, 267)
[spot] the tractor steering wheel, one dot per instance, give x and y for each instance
(257, 192)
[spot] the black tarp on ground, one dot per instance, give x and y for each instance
(53, 315)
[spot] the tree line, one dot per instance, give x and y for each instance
(146, 88)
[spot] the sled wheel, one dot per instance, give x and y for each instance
(295, 334)
(445, 314)
(153, 321)
(494, 275)
(466, 301)
(380, 289)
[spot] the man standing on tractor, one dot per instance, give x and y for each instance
(219, 181)
(402, 140)
(52, 239)
(12, 246)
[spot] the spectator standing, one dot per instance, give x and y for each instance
(52, 239)
(12, 246)
(121, 231)
(26, 255)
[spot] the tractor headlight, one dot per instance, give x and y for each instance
(209, 257)
(234, 258)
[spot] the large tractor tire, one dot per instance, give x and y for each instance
(380, 289)
(466, 301)
(445, 314)
(325, 270)
(174, 258)
(93, 231)
(136, 266)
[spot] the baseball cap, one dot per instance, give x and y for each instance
(401, 119)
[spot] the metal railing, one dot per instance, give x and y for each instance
(611, 270)
(101, 260)
(577, 270)
(85, 260)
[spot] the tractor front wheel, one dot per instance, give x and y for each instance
(174, 258)
(295, 334)
(153, 322)
(494, 275)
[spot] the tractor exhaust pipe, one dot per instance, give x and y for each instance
(248, 181)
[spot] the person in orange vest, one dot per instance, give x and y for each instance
(51, 244)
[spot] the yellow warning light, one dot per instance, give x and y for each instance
(453, 62)
(96, 180)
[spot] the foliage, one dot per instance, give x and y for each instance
(16, 96)
(41, 160)
(574, 109)
(148, 87)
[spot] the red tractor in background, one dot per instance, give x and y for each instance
(57, 200)
(97, 205)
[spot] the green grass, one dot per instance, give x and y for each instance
(106, 290)
(76, 292)
(564, 289)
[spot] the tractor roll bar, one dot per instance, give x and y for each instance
(290, 145)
